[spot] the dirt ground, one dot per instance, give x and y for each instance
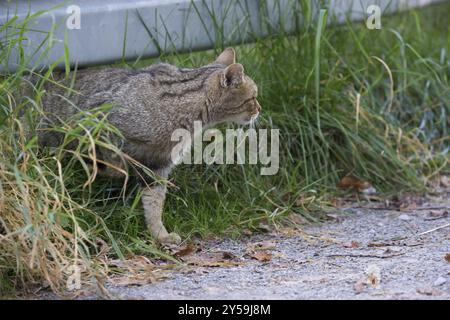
(360, 253)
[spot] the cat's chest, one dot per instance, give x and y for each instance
(183, 145)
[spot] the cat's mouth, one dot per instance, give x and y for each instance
(254, 116)
(250, 119)
(251, 114)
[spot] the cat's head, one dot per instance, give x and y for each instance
(232, 93)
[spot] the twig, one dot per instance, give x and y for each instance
(430, 208)
(366, 255)
(393, 244)
(435, 229)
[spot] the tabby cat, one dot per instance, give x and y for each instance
(148, 105)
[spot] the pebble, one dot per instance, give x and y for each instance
(440, 281)
(404, 217)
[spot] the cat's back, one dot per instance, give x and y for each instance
(88, 88)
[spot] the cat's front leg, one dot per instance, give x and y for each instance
(153, 201)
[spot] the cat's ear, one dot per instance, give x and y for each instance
(227, 57)
(233, 75)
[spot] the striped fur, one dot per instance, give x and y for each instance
(149, 104)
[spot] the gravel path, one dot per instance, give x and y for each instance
(362, 254)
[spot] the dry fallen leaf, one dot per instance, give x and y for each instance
(211, 262)
(406, 202)
(447, 257)
(288, 231)
(373, 273)
(102, 247)
(351, 244)
(133, 264)
(436, 214)
(135, 280)
(229, 256)
(260, 255)
(258, 250)
(336, 202)
(187, 250)
(213, 259)
(429, 291)
(372, 277)
(352, 182)
(137, 270)
(263, 245)
(380, 244)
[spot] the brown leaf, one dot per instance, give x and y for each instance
(229, 256)
(437, 214)
(429, 291)
(260, 256)
(137, 270)
(350, 181)
(102, 247)
(372, 277)
(447, 257)
(134, 264)
(258, 250)
(373, 273)
(216, 264)
(187, 250)
(288, 231)
(336, 202)
(379, 244)
(211, 262)
(351, 244)
(134, 280)
(263, 245)
(406, 202)
(215, 259)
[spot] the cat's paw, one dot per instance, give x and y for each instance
(171, 238)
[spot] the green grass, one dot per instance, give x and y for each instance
(346, 100)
